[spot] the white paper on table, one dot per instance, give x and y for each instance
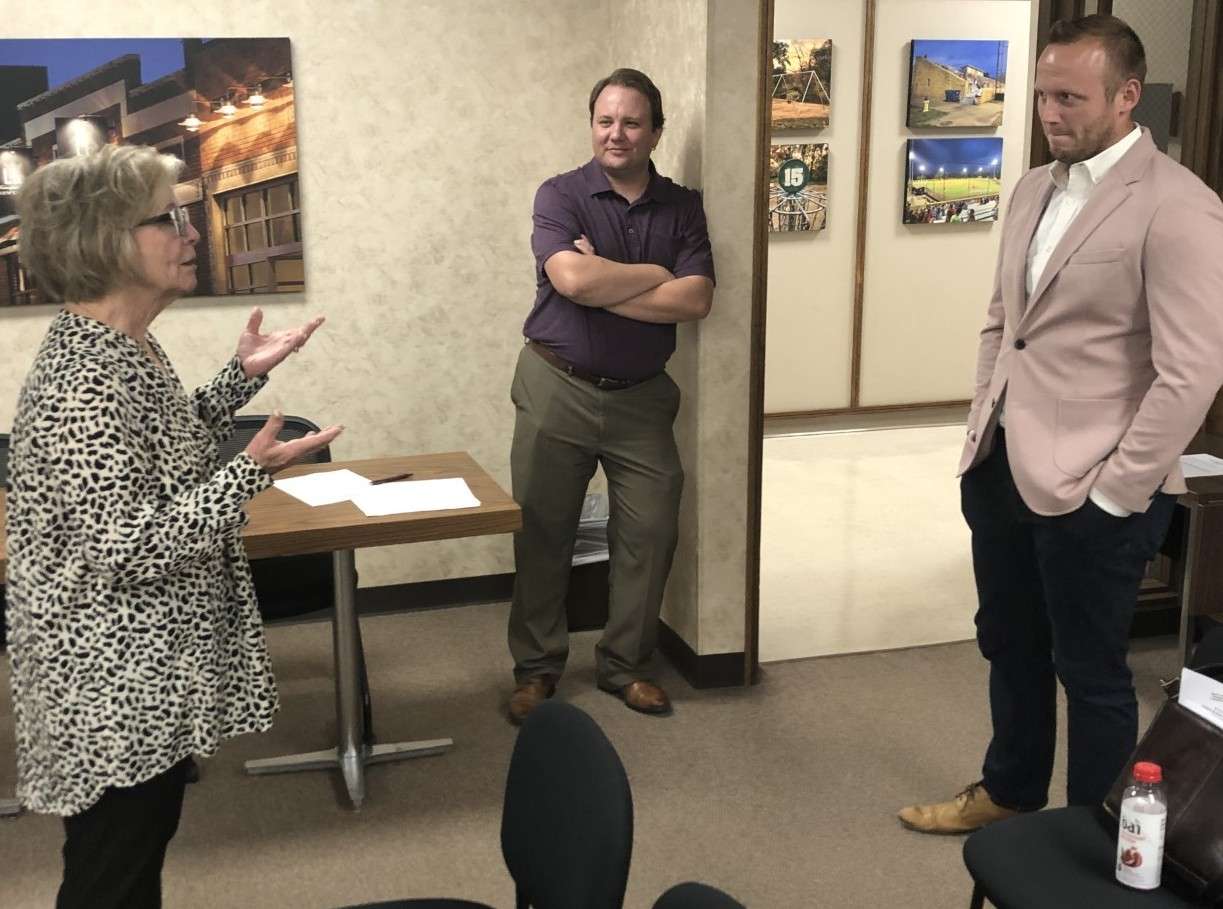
(415, 495)
(1201, 465)
(325, 488)
(1203, 695)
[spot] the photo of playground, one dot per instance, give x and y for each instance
(798, 187)
(956, 84)
(801, 83)
(952, 181)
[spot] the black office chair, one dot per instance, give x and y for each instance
(567, 822)
(1064, 858)
(1057, 859)
(696, 896)
(287, 586)
(567, 828)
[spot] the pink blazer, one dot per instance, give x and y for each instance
(1109, 367)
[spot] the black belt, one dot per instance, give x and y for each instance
(604, 382)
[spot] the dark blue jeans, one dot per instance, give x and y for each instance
(1056, 596)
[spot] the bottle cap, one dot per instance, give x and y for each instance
(1147, 772)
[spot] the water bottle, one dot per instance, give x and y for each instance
(1140, 838)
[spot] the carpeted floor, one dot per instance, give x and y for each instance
(783, 794)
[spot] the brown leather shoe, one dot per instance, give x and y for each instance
(529, 695)
(968, 811)
(644, 697)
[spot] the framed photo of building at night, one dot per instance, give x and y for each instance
(952, 181)
(801, 83)
(224, 106)
(798, 187)
(956, 84)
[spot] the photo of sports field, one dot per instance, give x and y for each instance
(952, 181)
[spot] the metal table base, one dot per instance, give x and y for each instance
(353, 717)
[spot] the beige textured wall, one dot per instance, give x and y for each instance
(426, 275)
(927, 287)
(721, 419)
(811, 277)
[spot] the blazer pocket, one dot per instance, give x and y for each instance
(1097, 256)
(1088, 430)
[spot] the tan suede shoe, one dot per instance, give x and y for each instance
(643, 696)
(968, 811)
(529, 695)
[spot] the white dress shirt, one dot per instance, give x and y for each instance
(1073, 186)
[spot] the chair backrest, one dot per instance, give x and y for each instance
(696, 896)
(1209, 651)
(247, 425)
(567, 827)
(285, 586)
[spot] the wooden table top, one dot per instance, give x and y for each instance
(1204, 490)
(282, 525)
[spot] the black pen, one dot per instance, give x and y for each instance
(395, 478)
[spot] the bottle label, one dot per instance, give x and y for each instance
(1140, 843)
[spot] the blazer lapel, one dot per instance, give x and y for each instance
(1016, 300)
(1111, 192)
(1107, 196)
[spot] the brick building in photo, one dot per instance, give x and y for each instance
(228, 114)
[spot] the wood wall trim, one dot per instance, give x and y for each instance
(760, 276)
(1202, 121)
(864, 167)
(870, 408)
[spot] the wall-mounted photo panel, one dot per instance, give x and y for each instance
(798, 187)
(956, 84)
(225, 106)
(801, 83)
(952, 181)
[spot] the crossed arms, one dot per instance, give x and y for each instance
(647, 293)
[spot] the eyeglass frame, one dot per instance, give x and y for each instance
(176, 216)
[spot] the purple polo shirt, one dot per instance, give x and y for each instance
(666, 227)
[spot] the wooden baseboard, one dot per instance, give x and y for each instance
(718, 670)
(489, 588)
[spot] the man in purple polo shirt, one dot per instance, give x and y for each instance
(621, 255)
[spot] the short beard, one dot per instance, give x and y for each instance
(1098, 138)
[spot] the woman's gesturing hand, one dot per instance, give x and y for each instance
(259, 353)
(273, 455)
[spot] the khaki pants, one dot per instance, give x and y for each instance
(564, 428)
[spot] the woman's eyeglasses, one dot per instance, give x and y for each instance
(177, 216)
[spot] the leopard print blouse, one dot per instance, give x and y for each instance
(134, 636)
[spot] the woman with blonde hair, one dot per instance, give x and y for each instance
(134, 636)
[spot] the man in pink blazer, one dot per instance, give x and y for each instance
(1102, 351)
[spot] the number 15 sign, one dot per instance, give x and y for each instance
(798, 187)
